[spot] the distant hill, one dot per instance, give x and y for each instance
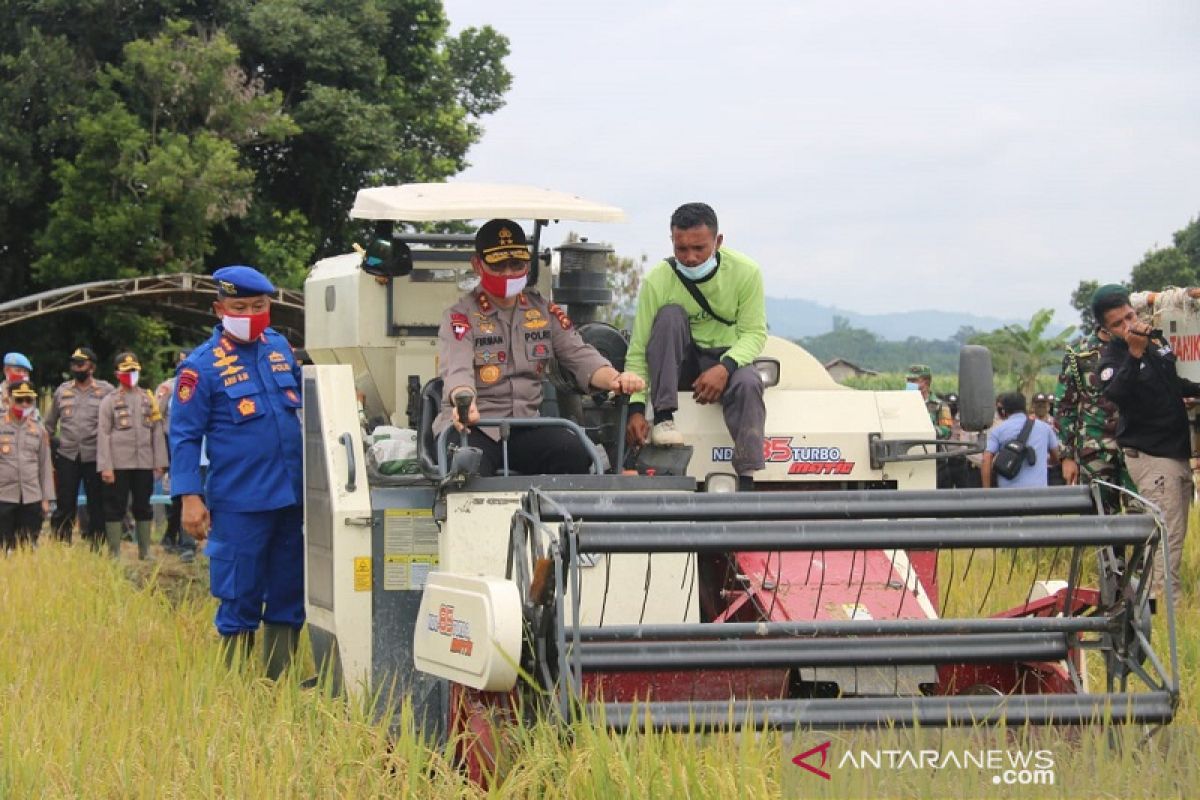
(793, 318)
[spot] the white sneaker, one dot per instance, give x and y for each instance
(665, 434)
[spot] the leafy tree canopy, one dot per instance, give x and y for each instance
(171, 135)
(1178, 265)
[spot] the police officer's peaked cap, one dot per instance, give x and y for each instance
(239, 281)
(501, 240)
(126, 362)
(919, 371)
(23, 389)
(83, 354)
(17, 360)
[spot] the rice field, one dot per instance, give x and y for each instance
(112, 685)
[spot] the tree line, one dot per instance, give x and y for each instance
(167, 136)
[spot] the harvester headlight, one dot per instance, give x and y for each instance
(768, 370)
(720, 482)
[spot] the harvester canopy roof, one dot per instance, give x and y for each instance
(431, 202)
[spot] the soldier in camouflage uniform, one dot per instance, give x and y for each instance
(1087, 423)
(920, 378)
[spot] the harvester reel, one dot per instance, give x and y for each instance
(1018, 666)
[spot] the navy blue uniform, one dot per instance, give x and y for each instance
(242, 401)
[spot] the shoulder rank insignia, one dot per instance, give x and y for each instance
(276, 357)
(563, 320)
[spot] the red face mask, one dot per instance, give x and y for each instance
(246, 327)
(128, 379)
(503, 285)
(12, 375)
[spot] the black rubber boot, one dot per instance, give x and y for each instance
(142, 532)
(237, 647)
(279, 645)
(112, 532)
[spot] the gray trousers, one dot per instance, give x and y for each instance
(674, 362)
(1166, 482)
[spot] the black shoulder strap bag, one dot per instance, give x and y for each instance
(696, 294)
(1015, 453)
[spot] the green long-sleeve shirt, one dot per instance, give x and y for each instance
(735, 292)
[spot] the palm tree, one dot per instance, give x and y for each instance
(1024, 352)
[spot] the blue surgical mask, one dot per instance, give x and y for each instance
(909, 386)
(700, 271)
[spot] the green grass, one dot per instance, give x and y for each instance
(111, 687)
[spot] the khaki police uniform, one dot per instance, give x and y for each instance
(26, 478)
(502, 355)
(74, 419)
(131, 444)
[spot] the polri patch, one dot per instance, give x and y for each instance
(460, 326)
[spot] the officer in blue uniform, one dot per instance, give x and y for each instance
(239, 394)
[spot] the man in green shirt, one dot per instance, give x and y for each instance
(701, 321)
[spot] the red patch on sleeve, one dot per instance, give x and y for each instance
(460, 325)
(185, 384)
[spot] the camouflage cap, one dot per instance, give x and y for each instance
(920, 371)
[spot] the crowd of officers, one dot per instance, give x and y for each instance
(108, 440)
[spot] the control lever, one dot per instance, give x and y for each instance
(505, 432)
(466, 459)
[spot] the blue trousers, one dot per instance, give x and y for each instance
(256, 568)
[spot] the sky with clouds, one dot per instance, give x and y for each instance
(875, 155)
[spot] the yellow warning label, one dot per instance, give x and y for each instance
(362, 574)
(402, 572)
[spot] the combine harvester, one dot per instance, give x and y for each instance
(669, 600)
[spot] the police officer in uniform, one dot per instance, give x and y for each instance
(17, 368)
(496, 343)
(26, 482)
(240, 392)
(74, 419)
(131, 451)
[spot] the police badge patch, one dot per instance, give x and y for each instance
(185, 384)
(460, 326)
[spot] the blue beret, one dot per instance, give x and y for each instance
(241, 281)
(17, 360)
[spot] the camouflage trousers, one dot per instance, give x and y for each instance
(1100, 462)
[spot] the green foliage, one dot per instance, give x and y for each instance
(1081, 301)
(624, 277)
(867, 350)
(171, 135)
(159, 164)
(1025, 352)
(942, 383)
(1178, 265)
